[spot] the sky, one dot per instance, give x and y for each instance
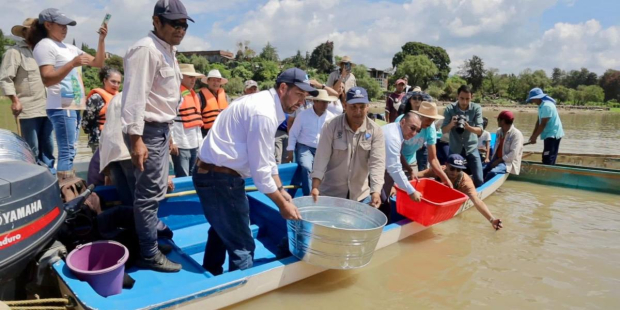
(510, 35)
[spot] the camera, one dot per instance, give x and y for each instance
(347, 66)
(460, 123)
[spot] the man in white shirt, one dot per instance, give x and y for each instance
(303, 137)
(395, 134)
(241, 145)
(151, 97)
(186, 133)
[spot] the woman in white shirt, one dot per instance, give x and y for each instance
(60, 65)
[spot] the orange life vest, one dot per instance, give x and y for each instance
(189, 111)
(212, 107)
(107, 97)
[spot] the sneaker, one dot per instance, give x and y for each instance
(159, 262)
(164, 248)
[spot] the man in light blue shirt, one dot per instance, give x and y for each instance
(394, 134)
(548, 125)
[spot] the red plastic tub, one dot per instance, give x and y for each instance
(439, 202)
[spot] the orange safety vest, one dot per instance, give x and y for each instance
(189, 111)
(107, 97)
(212, 107)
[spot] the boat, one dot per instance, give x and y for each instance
(580, 177)
(193, 287)
(580, 160)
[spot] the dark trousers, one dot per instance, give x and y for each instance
(550, 151)
(123, 178)
(227, 210)
(37, 132)
(443, 150)
(422, 158)
(151, 185)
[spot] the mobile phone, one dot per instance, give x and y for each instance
(106, 19)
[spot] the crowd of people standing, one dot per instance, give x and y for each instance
(161, 116)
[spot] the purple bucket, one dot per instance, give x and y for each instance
(101, 264)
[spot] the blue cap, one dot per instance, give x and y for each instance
(299, 78)
(55, 16)
(357, 95)
(457, 161)
(171, 9)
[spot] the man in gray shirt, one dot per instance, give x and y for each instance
(151, 96)
(463, 120)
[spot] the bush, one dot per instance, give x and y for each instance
(234, 86)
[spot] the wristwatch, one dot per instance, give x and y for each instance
(322, 86)
(281, 188)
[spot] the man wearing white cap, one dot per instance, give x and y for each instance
(213, 99)
(186, 133)
(250, 87)
(20, 80)
(305, 133)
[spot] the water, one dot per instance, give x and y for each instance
(558, 250)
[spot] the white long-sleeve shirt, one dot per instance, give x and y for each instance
(393, 136)
(151, 90)
(112, 147)
(307, 128)
(243, 138)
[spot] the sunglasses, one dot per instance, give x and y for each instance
(176, 24)
(414, 129)
(453, 169)
(417, 98)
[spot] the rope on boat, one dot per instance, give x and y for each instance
(39, 304)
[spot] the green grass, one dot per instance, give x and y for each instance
(615, 110)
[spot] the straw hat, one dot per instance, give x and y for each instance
(188, 69)
(18, 29)
(428, 109)
(323, 96)
(214, 74)
(345, 59)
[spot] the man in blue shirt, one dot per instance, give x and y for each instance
(464, 134)
(548, 125)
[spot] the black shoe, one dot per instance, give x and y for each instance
(164, 248)
(159, 262)
(165, 233)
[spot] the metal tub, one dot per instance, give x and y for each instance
(335, 233)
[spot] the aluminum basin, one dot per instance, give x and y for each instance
(335, 233)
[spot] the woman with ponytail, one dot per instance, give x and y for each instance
(60, 65)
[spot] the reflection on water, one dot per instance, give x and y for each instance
(559, 250)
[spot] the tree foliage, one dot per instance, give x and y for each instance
(322, 57)
(363, 79)
(610, 82)
(419, 70)
(473, 71)
(296, 61)
(269, 53)
(436, 54)
(4, 42)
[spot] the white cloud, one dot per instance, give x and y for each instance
(505, 33)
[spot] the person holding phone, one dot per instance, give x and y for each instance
(342, 79)
(60, 65)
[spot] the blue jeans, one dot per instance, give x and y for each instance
(65, 124)
(38, 134)
(421, 156)
(491, 173)
(304, 155)
(550, 151)
(474, 164)
(227, 209)
(184, 163)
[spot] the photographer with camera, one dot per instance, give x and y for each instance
(463, 120)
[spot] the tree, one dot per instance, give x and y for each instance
(322, 57)
(582, 77)
(473, 71)
(590, 93)
(116, 62)
(242, 73)
(436, 54)
(610, 82)
(244, 52)
(200, 63)
(234, 86)
(2, 48)
(451, 86)
(363, 79)
(492, 77)
(419, 70)
(269, 53)
(558, 76)
(560, 93)
(297, 61)
(267, 71)
(182, 59)
(88, 50)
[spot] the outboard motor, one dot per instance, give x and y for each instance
(31, 208)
